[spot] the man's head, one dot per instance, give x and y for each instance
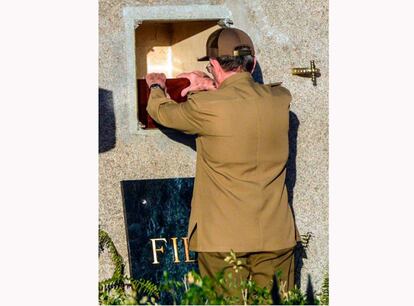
(229, 51)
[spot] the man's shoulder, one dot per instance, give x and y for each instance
(277, 89)
(233, 92)
(206, 96)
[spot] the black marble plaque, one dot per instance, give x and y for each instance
(157, 213)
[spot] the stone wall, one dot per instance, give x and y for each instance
(286, 34)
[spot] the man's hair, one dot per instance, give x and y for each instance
(231, 63)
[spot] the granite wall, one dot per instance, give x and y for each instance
(286, 34)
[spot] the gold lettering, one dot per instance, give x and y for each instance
(186, 250)
(175, 248)
(154, 249)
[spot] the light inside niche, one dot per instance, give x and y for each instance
(159, 59)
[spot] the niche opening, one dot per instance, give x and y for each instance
(172, 48)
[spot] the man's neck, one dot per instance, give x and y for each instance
(226, 76)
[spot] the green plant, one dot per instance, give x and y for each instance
(206, 290)
(212, 291)
(324, 294)
(193, 289)
(105, 242)
(121, 289)
(196, 290)
(251, 293)
(294, 297)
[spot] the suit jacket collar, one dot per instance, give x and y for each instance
(240, 76)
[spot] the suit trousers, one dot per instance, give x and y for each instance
(261, 267)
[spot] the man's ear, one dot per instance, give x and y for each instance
(254, 64)
(215, 64)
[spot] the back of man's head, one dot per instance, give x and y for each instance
(237, 63)
(232, 48)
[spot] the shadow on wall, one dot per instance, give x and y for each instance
(185, 139)
(300, 252)
(107, 127)
(291, 163)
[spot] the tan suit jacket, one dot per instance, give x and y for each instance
(240, 200)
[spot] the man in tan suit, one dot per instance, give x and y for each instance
(240, 200)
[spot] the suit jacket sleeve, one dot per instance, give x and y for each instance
(185, 116)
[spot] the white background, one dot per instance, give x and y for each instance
(49, 152)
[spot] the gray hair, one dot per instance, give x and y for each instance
(232, 63)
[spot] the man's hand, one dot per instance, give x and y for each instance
(198, 81)
(156, 78)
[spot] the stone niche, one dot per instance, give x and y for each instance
(165, 38)
(170, 47)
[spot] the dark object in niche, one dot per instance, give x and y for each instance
(174, 88)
